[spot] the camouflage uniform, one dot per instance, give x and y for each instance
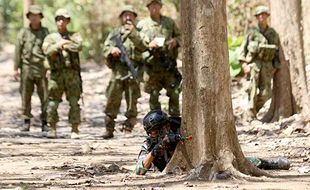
(160, 63)
(120, 82)
(65, 77)
(29, 58)
(260, 51)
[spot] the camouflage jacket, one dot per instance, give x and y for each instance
(261, 45)
(165, 29)
(134, 44)
(66, 58)
(28, 50)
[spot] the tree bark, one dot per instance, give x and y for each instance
(207, 105)
(286, 19)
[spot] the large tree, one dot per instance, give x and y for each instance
(207, 105)
(290, 93)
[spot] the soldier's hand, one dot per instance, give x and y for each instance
(157, 150)
(129, 25)
(16, 75)
(48, 74)
(246, 68)
(116, 52)
(153, 44)
(172, 43)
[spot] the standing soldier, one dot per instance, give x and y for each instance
(62, 50)
(120, 81)
(259, 57)
(160, 60)
(29, 63)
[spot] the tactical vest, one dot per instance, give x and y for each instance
(261, 46)
(31, 45)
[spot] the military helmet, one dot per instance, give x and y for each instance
(128, 8)
(34, 9)
(148, 2)
(155, 119)
(261, 9)
(62, 12)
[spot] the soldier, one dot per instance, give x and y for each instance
(62, 50)
(164, 135)
(259, 57)
(29, 63)
(121, 80)
(160, 59)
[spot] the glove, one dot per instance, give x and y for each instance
(157, 150)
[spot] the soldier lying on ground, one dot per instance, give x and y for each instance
(163, 136)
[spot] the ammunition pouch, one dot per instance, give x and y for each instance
(267, 52)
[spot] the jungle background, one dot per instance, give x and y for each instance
(28, 161)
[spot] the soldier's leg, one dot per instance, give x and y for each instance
(27, 88)
(173, 91)
(132, 93)
(73, 92)
(41, 84)
(55, 91)
(114, 96)
(152, 86)
(252, 92)
(264, 85)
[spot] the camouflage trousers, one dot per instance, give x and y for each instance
(156, 81)
(114, 95)
(259, 90)
(64, 81)
(27, 85)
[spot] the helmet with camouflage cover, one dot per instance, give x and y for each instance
(148, 2)
(128, 8)
(34, 9)
(62, 12)
(262, 9)
(155, 119)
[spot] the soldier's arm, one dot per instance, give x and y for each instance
(243, 49)
(145, 160)
(139, 39)
(108, 45)
(75, 44)
(50, 47)
(18, 50)
(176, 34)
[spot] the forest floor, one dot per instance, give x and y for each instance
(28, 160)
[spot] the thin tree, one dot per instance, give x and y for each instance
(207, 104)
(290, 92)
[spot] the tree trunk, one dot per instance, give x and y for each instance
(306, 27)
(290, 93)
(27, 3)
(207, 106)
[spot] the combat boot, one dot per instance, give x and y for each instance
(108, 134)
(109, 129)
(51, 133)
(44, 126)
(279, 163)
(26, 125)
(129, 124)
(75, 131)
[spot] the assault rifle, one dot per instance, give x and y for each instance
(125, 59)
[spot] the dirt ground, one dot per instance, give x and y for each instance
(28, 160)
